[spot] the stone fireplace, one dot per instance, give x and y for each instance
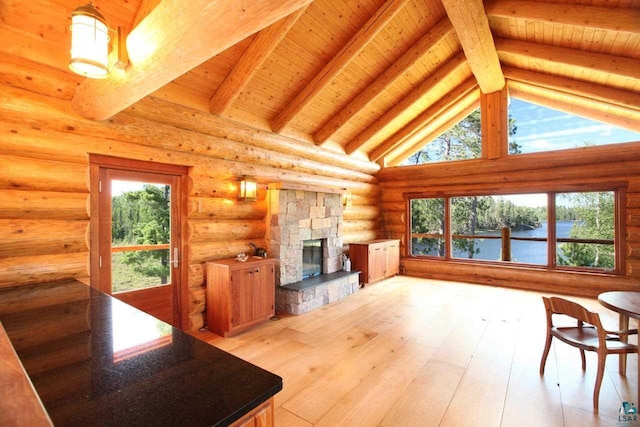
(296, 216)
(300, 218)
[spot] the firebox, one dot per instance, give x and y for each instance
(312, 257)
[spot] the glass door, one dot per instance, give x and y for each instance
(140, 259)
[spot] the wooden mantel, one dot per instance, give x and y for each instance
(305, 187)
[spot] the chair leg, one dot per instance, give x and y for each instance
(584, 360)
(545, 353)
(602, 358)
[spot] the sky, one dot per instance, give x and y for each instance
(543, 129)
(119, 187)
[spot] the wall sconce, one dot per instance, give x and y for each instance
(90, 44)
(346, 198)
(248, 189)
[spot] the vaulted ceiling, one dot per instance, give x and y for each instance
(375, 78)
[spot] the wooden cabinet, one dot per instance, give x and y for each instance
(262, 416)
(239, 294)
(376, 259)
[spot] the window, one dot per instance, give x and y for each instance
(543, 129)
(578, 229)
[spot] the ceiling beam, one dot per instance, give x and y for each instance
(388, 77)
(472, 27)
(448, 101)
(599, 18)
(433, 130)
(615, 66)
(146, 6)
(348, 52)
(261, 47)
(432, 82)
(172, 39)
(610, 95)
(578, 105)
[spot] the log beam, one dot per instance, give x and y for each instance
(615, 66)
(606, 94)
(495, 128)
(343, 58)
(472, 26)
(261, 47)
(443, 104)
(162, 48)
(597, 18)
(432, 38)
(432, 82)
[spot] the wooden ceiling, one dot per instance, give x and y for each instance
(373, 78)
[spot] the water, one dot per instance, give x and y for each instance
(521, 251)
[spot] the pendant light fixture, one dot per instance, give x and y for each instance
(89, 43)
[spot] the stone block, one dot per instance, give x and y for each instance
(317, 212)
(320, 199)
(305, 234)
(304, 223)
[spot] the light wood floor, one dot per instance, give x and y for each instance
(415, 352)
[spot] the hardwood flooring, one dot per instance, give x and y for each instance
(416, 352)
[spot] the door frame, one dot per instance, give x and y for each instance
(97, 162)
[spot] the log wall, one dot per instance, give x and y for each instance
(577, 168)
(44, 188)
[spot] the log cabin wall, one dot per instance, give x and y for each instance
(44, 188)
(615, 164)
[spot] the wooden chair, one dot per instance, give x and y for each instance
(587, 335)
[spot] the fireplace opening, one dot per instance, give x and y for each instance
(312, 257)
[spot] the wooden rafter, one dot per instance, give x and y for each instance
(600, 18)
(430, 132)
(562, 84)
(616, 66)
(161, 48)
(443, 104)
(578, 105)
(348, 52)
(472, 26)
(261, 47)
(430, 83)
(146, 6)
(390, 75)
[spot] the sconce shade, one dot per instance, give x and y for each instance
(346, 198)
(248, 189)
(89, 43)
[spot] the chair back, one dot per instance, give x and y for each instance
(555, 305)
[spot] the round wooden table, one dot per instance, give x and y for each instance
(627, 304)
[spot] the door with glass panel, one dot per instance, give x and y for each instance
(140, 240)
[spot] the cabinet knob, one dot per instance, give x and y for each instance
(257, 270)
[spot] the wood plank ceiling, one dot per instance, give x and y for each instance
(373, 78)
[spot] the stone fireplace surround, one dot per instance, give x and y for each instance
(295, 215)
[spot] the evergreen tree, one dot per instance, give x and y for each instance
(143, 218)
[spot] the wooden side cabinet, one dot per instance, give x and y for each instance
(376, 259)
(239, 294)
(262, 416)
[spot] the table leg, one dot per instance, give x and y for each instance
(623, 325)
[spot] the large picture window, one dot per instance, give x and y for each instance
(573, 230)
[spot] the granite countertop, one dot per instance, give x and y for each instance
(95, 360)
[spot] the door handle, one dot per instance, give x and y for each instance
(175, 259)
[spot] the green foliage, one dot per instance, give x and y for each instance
(427, 217)
(594, 217)
(143, 218)
(463, 141)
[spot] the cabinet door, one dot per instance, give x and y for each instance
(264, 291)
(377, 262)
(241, 296)
(393, 259)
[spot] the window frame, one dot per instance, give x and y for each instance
(618, 189)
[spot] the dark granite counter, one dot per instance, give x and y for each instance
(97, 361)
